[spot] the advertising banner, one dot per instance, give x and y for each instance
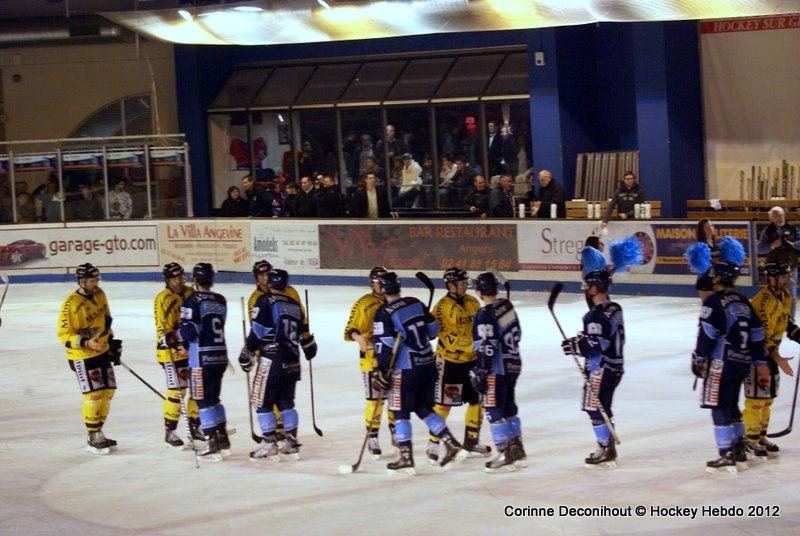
(225, 244)
(286, 245)
(421, 246)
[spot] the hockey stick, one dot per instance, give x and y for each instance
(185, 410)
(253, 435)
(129, 369)
(347, 469)
(595, 399)
(788, 429)
(428, 284)
(6, 283)
(311, 379)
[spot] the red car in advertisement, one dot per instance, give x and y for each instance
(21, 251)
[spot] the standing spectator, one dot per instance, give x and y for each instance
(780, 242)
(310, 162)
(290, 201)
(410, 181)
(234, 206)
(120, 202)
(509, 150)
(370, 200)
(329, 199)
(256, 197)
(501, 200)
(361, 155)
(306, 199)
(630, 193)
(549, 192)
(477, 199)
(495, 149)
(395, 146)
(373, 167)
(88, 206)
(51, 199)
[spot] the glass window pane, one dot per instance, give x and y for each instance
(271, 145)
(327, 83)
(316, 137)
(373, 81)
(229, 146)
(138, 116)
(79, 168)
(31, 171)
(127, 165)
(283, 86)
(6, 212)
(509, 151)
(103, 123)
(420, 79)
(459, 151)
(512, 79)
(361, 128)
(240, 88)
(412, 179)
(469, 76)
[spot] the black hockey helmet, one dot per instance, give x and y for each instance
(171, 270)
(390, 283)
(598, 278)
(776, 268)
(87, 271)
(726, 271)
(486, 284)
(377, 272)
(261, 267)
(278, 279)
(203, 274)
(454, 275)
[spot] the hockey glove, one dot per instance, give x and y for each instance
(477, 377)
(114, 351)
(382, 380)
(699, 366)
(793, 332)
(246, 359)
(309, 346)
(571, 346)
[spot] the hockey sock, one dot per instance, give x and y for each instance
(501, 432)
(766, 413)
(191, 407)
(373, 407)
(516, 426)
(92, 404)
(602, 433)
(278, 421)
(403, 431)
(211, 417)
(753, 417)
(724, 435)
(472, 420)
(435, 423)
(443, 412)
(105, 407)
(170, 424)
(738, 430)
(171, 408)
(266, 420)
(290, 419)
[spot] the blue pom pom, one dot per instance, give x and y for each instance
(592, 260)
(731, 250)
(626, 253)
(699, 257)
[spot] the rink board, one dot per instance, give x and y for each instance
(525, 250)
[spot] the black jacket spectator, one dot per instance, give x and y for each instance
(88, 207)
(329, 202)
(258, 201)
(306, 204)
(360, 204)
(290, 205)
(478, 199)
(235, 206)
(624, 200)
(501, 201)
(547, 195)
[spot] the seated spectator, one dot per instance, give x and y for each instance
(550, 192)
(275, 199)
(290, 200)
(373, 167)
(501, 200)
(256, 197)
(120, 204)
(26, 208)
(234, 206)
(370, 200)
(462, 180)
(426, 194)
(629, 194)
(306, 199)
(477, 199)
(50, 198)
(88, 207)
(410, 181)
(329, 199)
(446, 172)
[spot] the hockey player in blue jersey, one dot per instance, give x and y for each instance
(411, 379)
(601, 343)
(202, 331)
(274, 341)
(730, 339)
(496, 334)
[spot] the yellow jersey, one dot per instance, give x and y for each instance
(360, 321)
(289, 291)
(455, 317)
(773, 310)
(83, 318)
(167, 316)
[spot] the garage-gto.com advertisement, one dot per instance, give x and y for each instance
(37, 248)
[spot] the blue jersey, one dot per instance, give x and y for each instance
(603, 339)
(203, 327)
(411, 319)
(276, 319)
(497, 333)
(730, 330)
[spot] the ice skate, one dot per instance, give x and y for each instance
(739, 451)
(432, 452)
(518, 453)
(97, 444)
(756, 450)
(112, 445)
(724, 464)
(474, 448)
(212, 452)
(503, 462)
(374, 448)
(267, 450)
(404, 464)
(771, 448)
(604, 457)
(290, 448)
(452, 453)
(172, 440)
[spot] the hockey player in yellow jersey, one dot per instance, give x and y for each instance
(167, 317)
(772, 305)
(359, 329)
(84, 328)
(455, 313)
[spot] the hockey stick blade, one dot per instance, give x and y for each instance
(423, 277)
(788, 429)
(557, 288)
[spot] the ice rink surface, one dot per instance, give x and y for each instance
(50, 485)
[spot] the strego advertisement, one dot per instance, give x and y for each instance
(36, 249)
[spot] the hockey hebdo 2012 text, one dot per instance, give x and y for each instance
(690, 512)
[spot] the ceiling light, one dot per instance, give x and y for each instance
(248, 9)
(324, 4)
(185, 15)
(280, 118)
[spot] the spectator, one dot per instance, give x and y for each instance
(395, 146)
(329, 199)
(410, 181)
(88, 206)
(306, 199)
(370, 200)
(275, 199)
(462, 180)
(234, 206)
(26, 208)
(549, 192)
(257, 200)
(50, 198)
(290, 200)
(361, 156)
(629, 194)
(501, 200)
(495, 149)
(446, 172)
(426, 197)
(477, 199)
(373, 167)
(310, 162)
(509, 150)
(120, 202)
(780, 241)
